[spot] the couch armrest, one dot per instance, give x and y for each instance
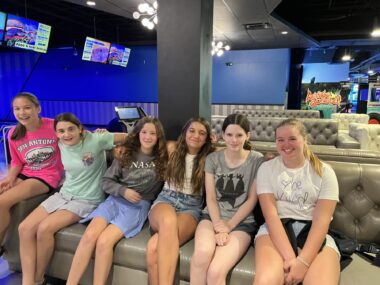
(18, 213)
(346, 141)
(360, 133)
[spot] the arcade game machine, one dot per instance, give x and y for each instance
(361, 107)
(373, 105)
(126, 118)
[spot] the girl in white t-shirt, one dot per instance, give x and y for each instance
(298, 187)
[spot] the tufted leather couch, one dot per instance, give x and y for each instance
(322, 133)
(367, 135)
(279, 113)
(357, 214)
(344, 119)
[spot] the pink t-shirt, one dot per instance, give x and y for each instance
(38, 153)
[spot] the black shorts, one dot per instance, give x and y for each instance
(250, 228)
(24, 177)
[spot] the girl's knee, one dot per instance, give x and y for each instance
(216, 274)
(25, 229)
(267, 279)
(89, 237)
(104, 244)
(202, 256)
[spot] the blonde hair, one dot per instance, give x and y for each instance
(308, 154)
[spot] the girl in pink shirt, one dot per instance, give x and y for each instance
(36, 166)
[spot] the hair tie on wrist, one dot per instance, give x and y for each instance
(303, 261)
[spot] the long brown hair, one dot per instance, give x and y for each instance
(308, 154)
(177, 163)
(242, 121)
(20, 130)
(159, 152)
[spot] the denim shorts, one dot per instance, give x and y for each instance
(181, 202)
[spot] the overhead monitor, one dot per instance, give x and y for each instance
(128, 113)
(2, 25)
(26, 34)
(118, 55)
(96, 50)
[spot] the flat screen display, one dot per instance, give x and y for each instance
(26, 34)
(118, 55)
(375, 94)
(127, 113)
(95, 50)
(2, 25)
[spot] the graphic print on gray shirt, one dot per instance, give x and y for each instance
(232, 184)
(140, 176)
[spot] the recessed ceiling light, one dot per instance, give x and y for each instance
(346, 57)
(284, 32)
(91, 3)
(370, 71)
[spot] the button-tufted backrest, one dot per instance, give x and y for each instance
(216, 126)
(321, 131)
(279, 113)
(358, 211)
(367, 135)
(344, 119)
(264, 129)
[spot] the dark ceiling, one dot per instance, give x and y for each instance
(327, 28)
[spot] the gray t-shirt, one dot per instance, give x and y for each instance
(232, 184)
(140, 176)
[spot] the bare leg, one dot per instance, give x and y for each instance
(104, 253)
(28, 243)
(173, 231)
(45, 237)
(269, 263)
(204, 248)
(85, 248)
(151, 259)
(235, 248)
(24, 189)
(325, 268)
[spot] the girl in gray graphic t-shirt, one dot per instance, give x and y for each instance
(227, 224)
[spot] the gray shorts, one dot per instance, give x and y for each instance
(297, 227)
(62, 201)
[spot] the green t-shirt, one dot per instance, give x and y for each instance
(85, 165)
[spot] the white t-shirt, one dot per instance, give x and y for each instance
(296, 191)
(187, 187)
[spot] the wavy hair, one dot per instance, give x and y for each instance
(133, 145)
(175, 173)
(20, 130)
(308, 154)
(242, 121)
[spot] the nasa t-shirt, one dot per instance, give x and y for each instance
(38, 154)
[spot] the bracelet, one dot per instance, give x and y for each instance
(303, 261)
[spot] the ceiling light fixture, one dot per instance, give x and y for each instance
(91, 3)
(346, 56)
(284, 32)
(376, 29)
(148, 13)
(219, 48)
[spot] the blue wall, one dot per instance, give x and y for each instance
(255, 77)
(325, 72)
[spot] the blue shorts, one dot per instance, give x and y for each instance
(181, 202)
(127, 216)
